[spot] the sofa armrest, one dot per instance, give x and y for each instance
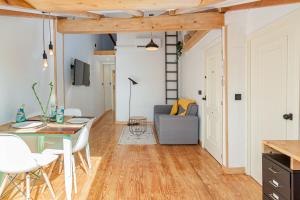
(162, 109)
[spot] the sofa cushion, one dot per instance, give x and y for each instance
(192, 110)
(181, 110)
(174, 110)
(184, 103)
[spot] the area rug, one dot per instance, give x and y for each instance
(128, 138)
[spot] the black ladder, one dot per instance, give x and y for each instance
(171, 67)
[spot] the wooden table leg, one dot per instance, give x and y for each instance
(68, 165)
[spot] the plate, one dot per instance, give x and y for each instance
(27, 124)
(78, 120)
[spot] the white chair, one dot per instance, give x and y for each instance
(16, 158)
(75, 112)
(81, 143)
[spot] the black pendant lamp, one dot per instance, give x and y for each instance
(45, 59)
(152, 46)
(50, 44)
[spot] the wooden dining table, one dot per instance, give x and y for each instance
(51, 129)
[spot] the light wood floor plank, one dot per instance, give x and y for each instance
(154, 172)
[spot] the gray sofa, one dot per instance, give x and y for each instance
(176, 129)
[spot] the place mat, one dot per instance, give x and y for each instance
(78, 120)
(27, 125)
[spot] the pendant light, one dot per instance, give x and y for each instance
(151, 46)
(50, 44)
(45, 59)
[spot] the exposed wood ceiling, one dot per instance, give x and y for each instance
(176, 14)
(89, 5)
(259, 4)
(197, 21)
(191, 38)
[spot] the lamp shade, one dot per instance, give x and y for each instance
(151, 46)
(133, 82)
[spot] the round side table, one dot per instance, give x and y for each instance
(138, 125)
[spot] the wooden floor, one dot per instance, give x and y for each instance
(152, 172)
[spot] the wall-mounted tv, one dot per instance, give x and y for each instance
(81, 73)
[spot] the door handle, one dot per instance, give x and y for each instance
(204, 98)
(288, 116)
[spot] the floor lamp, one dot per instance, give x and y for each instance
(131, 83)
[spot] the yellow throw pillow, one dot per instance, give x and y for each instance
(184, 103)
(174, 109)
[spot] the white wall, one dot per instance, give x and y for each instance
(193, 69)
(240, 25)
(21, 65)
(88, 99)
(147, 68)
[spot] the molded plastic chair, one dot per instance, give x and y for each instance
(16, 158)
(81, 143)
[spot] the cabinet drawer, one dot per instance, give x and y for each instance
(283, 190)
(273, 171)
(272, 194)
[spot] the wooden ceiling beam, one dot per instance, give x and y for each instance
(17, 3)
(259, 4)
(192, 38)
(135, 13)
(93, 5)
(196, 21)
(83, 14)
(23, 14)
(202, 7)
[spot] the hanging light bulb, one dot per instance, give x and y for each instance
(152, 46)
(45, 58)
(50, 44)
(51, 49)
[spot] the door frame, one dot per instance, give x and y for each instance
(219, 39)
(283, 22)
(113, 98)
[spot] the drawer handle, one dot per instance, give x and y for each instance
(273, 171)
(274, 196)
(274, 183)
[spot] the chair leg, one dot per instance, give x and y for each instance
(74, 174)
(22, 184)
(61, 164)
(88, 155)
(83, 163)
(27, 186)
(48, 184)
(4, 182)
(49, 175)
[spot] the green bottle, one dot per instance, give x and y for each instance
(60, 116)
(21, 115)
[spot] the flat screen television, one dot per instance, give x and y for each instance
(81, 73)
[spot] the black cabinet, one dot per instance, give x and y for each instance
(279, 181)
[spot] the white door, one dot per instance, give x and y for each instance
(274, 82)
(107, 77)
(213, 104)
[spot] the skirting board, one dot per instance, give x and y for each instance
(233, 170)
